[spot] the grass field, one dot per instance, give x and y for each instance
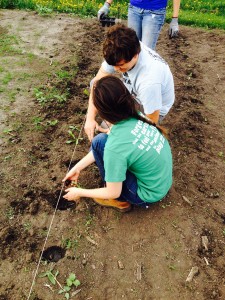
(202, 13)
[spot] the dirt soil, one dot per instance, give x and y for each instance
(143, 254)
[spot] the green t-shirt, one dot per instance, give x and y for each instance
(140, 148)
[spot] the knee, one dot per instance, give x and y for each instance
(99, 141)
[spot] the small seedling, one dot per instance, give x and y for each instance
(8, 157)
(69, 244)
(73, 139)
(51, 276)
(220, 154)
(172, 267)
(86, 92)
(52, 123)
(8, 131)
(27, 226)
(63, 74)
(38, 122)
(10, 213)
(40, 96)
(70, 282)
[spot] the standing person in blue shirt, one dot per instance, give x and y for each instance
(147, 17)
(134, 158)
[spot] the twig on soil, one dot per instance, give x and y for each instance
(49, 286)
(187, 200)
(194, 272)
(91, 241)
(205, 242)
(75, 293)
(206, 261)
(139, 275)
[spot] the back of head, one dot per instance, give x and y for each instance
(112, 100)
(121, 43)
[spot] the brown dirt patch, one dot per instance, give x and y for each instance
(157, 247)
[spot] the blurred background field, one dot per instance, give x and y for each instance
(200, 13)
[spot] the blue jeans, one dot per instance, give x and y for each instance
(146, 23)
(129, 189)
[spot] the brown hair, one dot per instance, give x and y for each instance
(114, 102)
(121, 43)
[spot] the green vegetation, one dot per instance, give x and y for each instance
(72, 136)
(70, 282)
(203, 13)
(7, 44)
(44, 96)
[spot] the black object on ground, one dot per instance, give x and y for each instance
(53, 254)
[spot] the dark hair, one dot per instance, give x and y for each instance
(121, 43)
(114, 102)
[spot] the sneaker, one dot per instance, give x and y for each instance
(121, 206)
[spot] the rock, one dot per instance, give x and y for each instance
(120, 265)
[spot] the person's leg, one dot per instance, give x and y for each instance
(135, 19)
(151, 26)
(97, 147)
(129, 191)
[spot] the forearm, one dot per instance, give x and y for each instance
(176, 8)
(85, 161)
(102, 193)
(92, 111)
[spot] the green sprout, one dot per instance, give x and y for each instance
(70, 282)
(51, 276)
(73, 138)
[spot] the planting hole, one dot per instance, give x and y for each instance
(63, 203)
(53, 254)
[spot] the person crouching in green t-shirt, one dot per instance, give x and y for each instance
(134, 158)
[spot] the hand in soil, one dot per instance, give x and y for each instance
(72, 194)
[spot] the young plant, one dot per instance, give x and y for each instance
(52, 123)
(51, 276)
(70, 282)
(73, 139)
(38, 123)
(70, 244)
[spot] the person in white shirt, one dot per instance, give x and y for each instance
(145, 74)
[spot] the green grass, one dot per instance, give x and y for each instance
(203, 13)
(7, 44)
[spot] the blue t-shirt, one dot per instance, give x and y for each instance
(149, 4)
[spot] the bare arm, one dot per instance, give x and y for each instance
(74, 173)
(91, 124)
(176, 8)
(111, 191)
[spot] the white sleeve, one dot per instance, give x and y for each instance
(107, 68)
(150, 97)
